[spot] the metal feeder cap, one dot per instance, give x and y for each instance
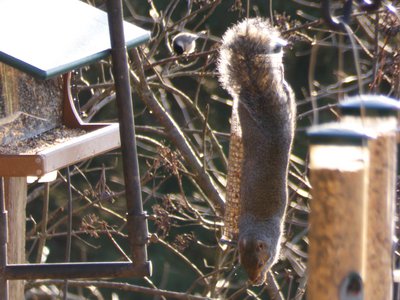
(374, 105)
(337, 134)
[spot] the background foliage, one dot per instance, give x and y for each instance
(323, 66)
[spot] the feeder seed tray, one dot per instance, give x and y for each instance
(58, 153)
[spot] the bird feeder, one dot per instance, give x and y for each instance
(45, 39)
(379, 115)
(339, 161)
(41, 42)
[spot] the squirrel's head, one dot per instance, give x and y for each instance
(256, 258)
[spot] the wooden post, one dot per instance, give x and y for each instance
(378, 114)
(3, 242)
(15, 196)
(339, 161)
(379, 277)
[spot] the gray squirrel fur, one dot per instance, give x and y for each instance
(251, 70)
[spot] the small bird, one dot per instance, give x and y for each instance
(184, 43)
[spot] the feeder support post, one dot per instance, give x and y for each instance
(3, 242)
(137, 222)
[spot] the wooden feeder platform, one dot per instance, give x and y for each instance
(45, 39)
(74, 141)
(61, 155)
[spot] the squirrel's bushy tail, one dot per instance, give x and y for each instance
(245, 61)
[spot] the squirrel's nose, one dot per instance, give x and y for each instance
(256, 280)
(253, 275)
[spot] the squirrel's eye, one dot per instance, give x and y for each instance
(277, 49)
(260, 246)
(277, 44)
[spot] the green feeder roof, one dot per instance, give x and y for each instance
(374, 105)
(46, 38)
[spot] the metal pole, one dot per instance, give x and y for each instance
(137, 222)
(3, 243)
(76, 270)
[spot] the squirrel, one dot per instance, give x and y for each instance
(251, 70)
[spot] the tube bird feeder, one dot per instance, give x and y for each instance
(339, 159)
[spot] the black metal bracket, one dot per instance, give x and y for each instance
(142, 238)
(137, 227)
(336, 23)
(77, 270)
(370, 5)
(133, 268)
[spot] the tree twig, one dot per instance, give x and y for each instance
(176, 135)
